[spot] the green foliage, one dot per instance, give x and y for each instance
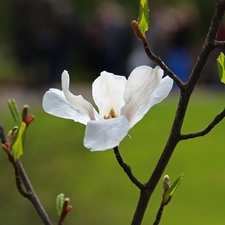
(59, 203)
(143, 19)
(173, 188)
(14, 111)
(221, 67)
(18, 142)
(57, 161)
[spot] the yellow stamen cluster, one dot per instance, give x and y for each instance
(111, 115)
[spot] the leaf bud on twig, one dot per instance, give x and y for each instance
(166, 183)
(138, 33)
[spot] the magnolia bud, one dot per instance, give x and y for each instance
(66, 209)
(66, 203)
(166, 184)
(28, 119)
(138, 33)
(25, 111)
(12, 134)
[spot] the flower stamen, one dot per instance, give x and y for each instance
(111, 115)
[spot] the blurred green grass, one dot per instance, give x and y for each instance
(100, 192)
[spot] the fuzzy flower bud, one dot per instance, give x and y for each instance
(12, 134)
(166, 183)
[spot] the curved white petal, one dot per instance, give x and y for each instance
(56, 104)
(101, 135)
(156, 97)
(161, 92)
(141, 83)
(108, 91)
(77, 101)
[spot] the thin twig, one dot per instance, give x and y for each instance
(159, 62)
(29, 194)
(20, 175)
(17, 177)
(127, 169)
(12, 161)
(159, 215)
(215, 121)
(219, 44)
(32, 196)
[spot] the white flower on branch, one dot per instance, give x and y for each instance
(121, 102)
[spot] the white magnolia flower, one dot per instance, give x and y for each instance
(121, 102)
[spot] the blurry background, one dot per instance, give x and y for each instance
(41, 38)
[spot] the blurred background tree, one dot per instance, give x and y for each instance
(86, 37)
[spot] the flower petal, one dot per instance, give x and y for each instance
(77, 101)
(156, 97)
(141, 83)
(108, 91)
(161, 92)
(101, 135)
(56, 104)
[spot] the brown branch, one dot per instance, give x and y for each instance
(127, 169)
(215, 121)
(185, 95)
(17, 177)
(29, 194)
(20, 175)
(32, 196)
(159, 215)
(159, 62)
(208, 46)
(219, 44)
(12, 161)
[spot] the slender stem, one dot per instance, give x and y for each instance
(20, 175)
(18, 180)
(215, 121)
(219, 44)
(159, 62)
(12, 161)
(186, 91)
(159, 215)
(17, 176)
(127, 169)
(32, 196)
